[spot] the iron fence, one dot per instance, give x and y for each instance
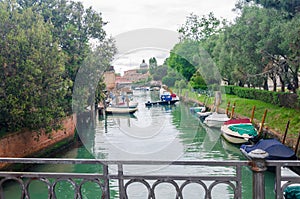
(118, 172)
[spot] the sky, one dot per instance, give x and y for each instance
(125, 16)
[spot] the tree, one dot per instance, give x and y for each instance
(159, 72)
(152, 64)
(73, 28)
(292, 7)
(182, 58)
(43, 44)
(197, 81)
(196, 28)
(89, 86)
(291, 46)
(32, 68)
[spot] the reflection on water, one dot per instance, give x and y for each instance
(155, 133)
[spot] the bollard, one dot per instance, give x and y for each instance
(258, 167)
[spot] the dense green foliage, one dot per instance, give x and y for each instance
(43, 44)
(290, 6)
(181, 58)
(159, 72)
(276, 98)
(262, 44)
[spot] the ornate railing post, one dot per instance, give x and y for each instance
(106, 182)
(258, 167)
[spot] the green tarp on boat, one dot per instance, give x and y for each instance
(244, 129)
(292, 192)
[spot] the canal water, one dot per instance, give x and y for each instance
(154, 133)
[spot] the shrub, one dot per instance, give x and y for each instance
(289, 100)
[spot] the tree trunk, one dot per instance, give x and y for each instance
(266, 87)
(274, 83)
(296, 81)
(282, 84)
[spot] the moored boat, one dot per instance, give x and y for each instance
(171, 102)
(203, 115)
(215, 119)
(238, 131)
(117, 110)
(196, 109)
(166, 98)
(131, 104)
(275, 149)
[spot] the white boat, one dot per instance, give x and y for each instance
(216, 119)
(238, 131)
(131, 104)
(117, 110)
(197, 109)
(203, 115)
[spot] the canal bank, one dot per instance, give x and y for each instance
(268, 131)
(27, 143)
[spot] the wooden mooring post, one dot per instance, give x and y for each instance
(262, 122)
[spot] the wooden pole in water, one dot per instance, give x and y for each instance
(232, 111)
(252, 114)
(297, 145)
(227, 108)
(262, 122)
(285, 132)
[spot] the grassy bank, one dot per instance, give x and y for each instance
(277, 117)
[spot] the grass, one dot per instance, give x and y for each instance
(277, 117)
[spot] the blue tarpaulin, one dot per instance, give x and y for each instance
(276, 150)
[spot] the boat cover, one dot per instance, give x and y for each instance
(237, 121)
(276, 150)
(292, 192)
(243, 129)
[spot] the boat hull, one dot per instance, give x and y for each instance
(170, 102)
(233, 136)
(215, 120)
(114, 110)
(125, 105)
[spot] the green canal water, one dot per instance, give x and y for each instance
(156, 133)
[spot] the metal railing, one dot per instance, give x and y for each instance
(117, 171)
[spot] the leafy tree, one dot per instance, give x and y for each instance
(73, 28)
(180, 84)
(182, 58)
(291, 46)
(200, 28)
(197, 81)
(159, 72)
(152, 64)
(223, 54)
(171, 78)
(33, 89)
(290, 6)
(89, 86)
(43, 44)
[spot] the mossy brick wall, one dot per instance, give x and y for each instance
(27, 143)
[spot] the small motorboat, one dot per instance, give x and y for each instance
(203, 115)
(275, 149)
(116, 110)
(238, 131)
(130, 104)
(197, 109)
(166, 98)
(216, 119)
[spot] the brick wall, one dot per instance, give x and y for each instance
(26, 143)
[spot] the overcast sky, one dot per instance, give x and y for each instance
(128, 15)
